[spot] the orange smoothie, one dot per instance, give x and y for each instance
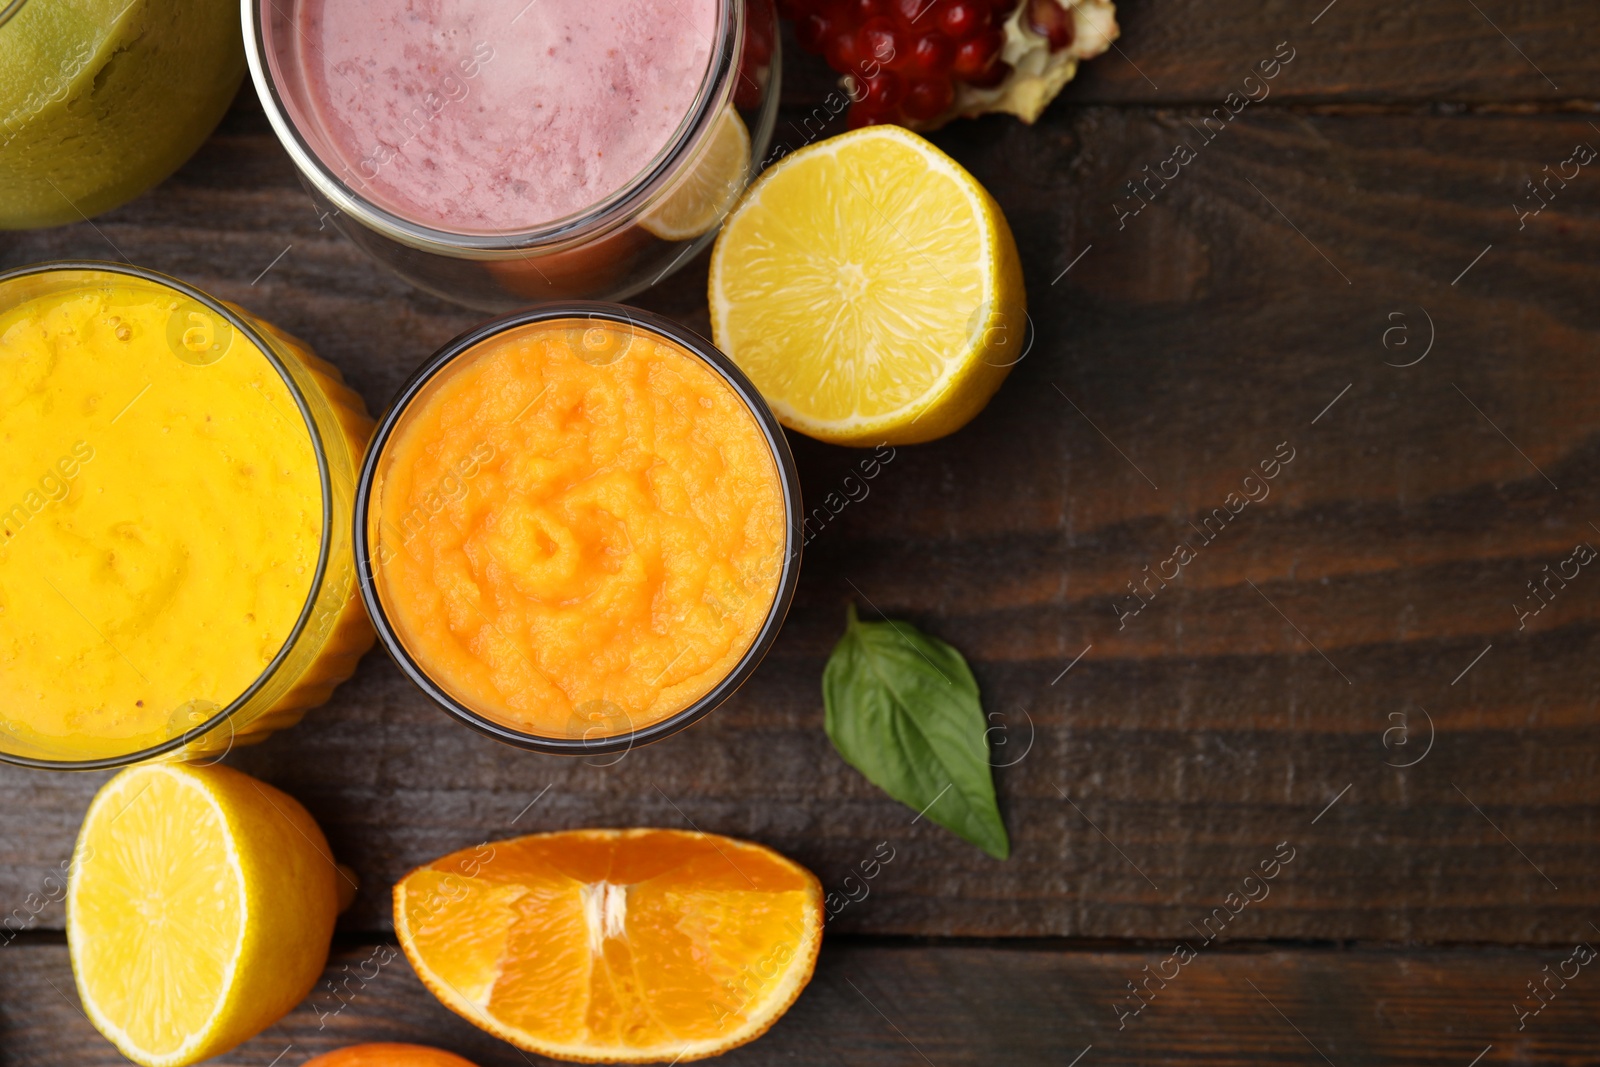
(577, 528)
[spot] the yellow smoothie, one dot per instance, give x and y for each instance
(161, 520)
(578, 528)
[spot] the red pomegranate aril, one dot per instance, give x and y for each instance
(914, 14)
(930, 54)
(842, 51)
(961, 19)
(927, 99)
(756, 62)
(813, 31)
(991, 77)
(860, 116)
(760, 26)
(882, 92)
(880, 39)
(862, 10)
(1052, 22)
(976, 55)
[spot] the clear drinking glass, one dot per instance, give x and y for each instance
(110, 567)
(609, 249)
(595, 725)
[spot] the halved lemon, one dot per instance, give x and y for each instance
(606, 946)
(871, 289)
(713, 183)
(199, 910)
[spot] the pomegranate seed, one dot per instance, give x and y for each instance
(1052, 22)
(756, 60)
(882, 92)
(860, 116)
(842, 51)
(992, 77)
(928, 98)
(813, 31)
(976, 55)
(882, 40)
(914, 14)
(961, 19)
(930, 54)
(862, 10)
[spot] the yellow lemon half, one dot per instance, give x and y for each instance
(871, 289)
(199, 910)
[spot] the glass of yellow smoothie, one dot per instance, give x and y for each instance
(176, 575)
(578, 528)
(102, 99)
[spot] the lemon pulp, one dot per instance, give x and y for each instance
(871, 289)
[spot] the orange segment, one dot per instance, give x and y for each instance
(614, 945)
(387, 1054)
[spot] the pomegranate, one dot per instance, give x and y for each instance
(921, 63)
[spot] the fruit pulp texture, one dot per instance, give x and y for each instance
(579, 528)
(199, 910)
(595, 940)
(498, 115)
(168, 889)
(162, 516)
(101, 99)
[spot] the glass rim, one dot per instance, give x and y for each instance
(324, 477)
(716, 89)
(788, 478)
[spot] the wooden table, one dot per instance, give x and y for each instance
(1340, 273)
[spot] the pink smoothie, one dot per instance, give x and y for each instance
(475, 115)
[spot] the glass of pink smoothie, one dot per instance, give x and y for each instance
(502, 152)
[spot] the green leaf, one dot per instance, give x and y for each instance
(903, 709)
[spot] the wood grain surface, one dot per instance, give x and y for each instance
(1498, 54)
(896, 1006)
(1341, 666)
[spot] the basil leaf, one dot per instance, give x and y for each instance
(902, 708)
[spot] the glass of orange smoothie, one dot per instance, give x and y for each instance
(578, 528)
(175, 566)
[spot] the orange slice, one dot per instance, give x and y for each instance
(388, 1054)
(605, 946)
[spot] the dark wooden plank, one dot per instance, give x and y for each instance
(1425, 51)
(889, 1005)
(1196, 336)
